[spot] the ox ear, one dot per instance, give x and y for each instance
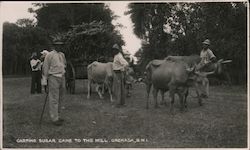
(226, 61)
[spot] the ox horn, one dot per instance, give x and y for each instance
(226, 61)
(208, 73)
(204, 73)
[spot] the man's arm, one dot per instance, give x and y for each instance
(34, 64)
(64, 60)
(212, 57)
(123, 62)
(46, 66)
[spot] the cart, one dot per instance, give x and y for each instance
(76, 69)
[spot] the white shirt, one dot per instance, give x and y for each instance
(54, 64)
(33, 63)
(206, 56)
(119, 62)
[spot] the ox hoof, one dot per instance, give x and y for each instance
(156, 106)
(88, 97)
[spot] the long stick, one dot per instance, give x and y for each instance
(46, 98)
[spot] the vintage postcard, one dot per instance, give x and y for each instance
(124, 74)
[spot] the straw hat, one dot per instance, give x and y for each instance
(207, 42)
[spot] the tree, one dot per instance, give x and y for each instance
(91, 40)
(25, 22)
(180, 28)
(18, 44)
(87, 27)
(56, 17)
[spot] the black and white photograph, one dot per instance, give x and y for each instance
(124, 74)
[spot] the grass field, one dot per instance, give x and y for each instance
(220, 123)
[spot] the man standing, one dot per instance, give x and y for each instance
(43, 80)
(35, 64)
(119, 65)
(53, 70)
(207, 56)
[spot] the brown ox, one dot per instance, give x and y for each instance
(101, 74)
(175, 77)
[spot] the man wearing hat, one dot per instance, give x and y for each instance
(35, 64)
(43, 80)
(207, 56)
(119, 65)
(53, 70)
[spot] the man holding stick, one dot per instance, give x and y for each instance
(53, 70)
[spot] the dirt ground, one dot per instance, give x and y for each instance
(220, 123)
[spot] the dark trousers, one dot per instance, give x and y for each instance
(118, 88)
(36, 82)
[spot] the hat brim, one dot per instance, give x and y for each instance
(58, 43)
(206, 43)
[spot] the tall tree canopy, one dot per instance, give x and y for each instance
(60, 17)
(18, 44)
(86, 27)
(91, 40)
(180, 28)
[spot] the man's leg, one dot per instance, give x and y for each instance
(54, 85)
(62, 91)
(32, 90)
(122, 96)
(39, 86)
(117, 88)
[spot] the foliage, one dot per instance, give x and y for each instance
(91, 40)
(59, 17)
(180, 28)
(86, 27)
(18, 44)
(25, 22)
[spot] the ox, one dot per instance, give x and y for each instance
(175, 77)
(191, 61)
(101, 74)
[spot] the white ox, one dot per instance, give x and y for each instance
(101, 74)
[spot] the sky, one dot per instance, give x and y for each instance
(12, 11)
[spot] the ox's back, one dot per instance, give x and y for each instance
(189, 60)
(167, 73)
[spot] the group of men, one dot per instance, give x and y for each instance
(36, 71)
(53, 75)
